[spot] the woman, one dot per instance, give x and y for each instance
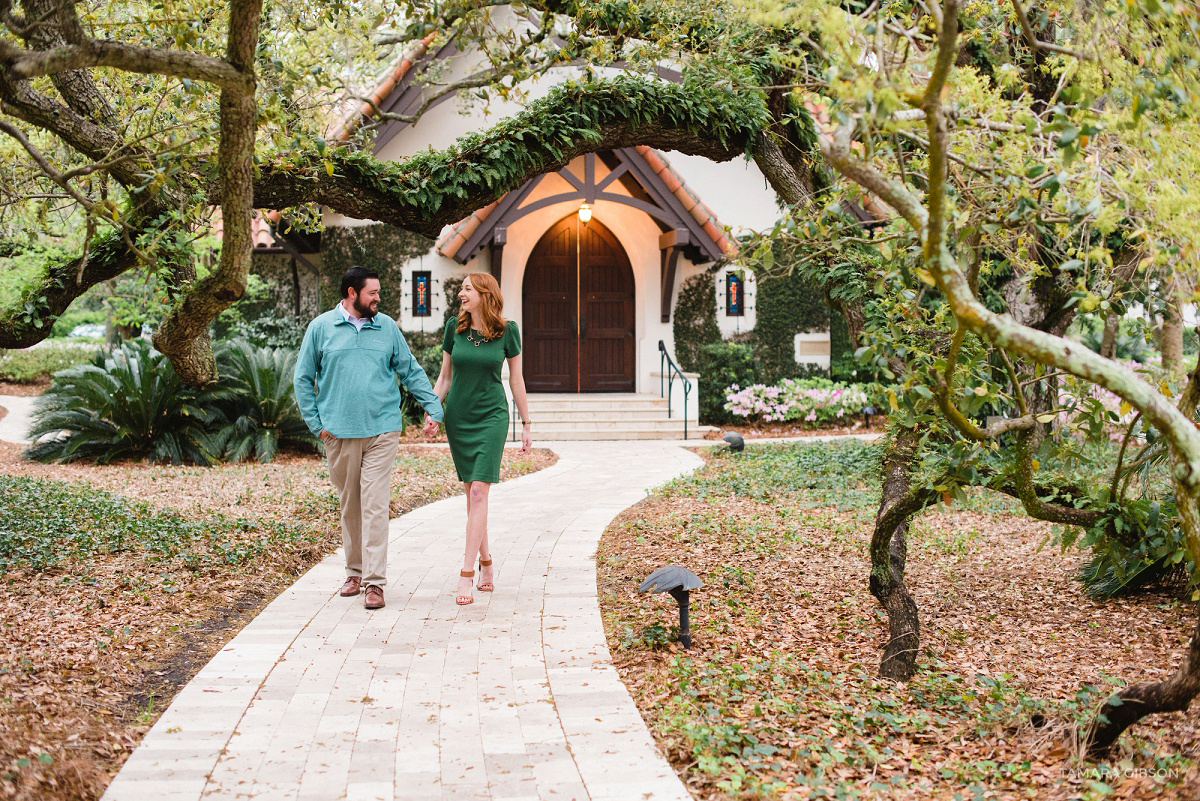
(473, 349)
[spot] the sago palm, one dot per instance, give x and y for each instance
(260, 406)
(129, 404)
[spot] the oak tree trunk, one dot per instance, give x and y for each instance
(1108, 342)
(1139, 700)
(1171, 341)
(889, 552)
(183, 335)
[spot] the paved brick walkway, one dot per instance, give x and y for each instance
(513, 697)
(15, 425)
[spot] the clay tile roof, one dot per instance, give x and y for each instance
(703, 214)
(462, 230)
(260, 228)
(370, 107)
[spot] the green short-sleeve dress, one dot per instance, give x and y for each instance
(476, 406)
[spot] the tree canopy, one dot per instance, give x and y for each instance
(1026, 163)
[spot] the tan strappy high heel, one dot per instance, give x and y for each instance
(458, 599)
(486, 586)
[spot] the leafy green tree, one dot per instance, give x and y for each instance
(1050, 220)
(1023, 164)
(126, 134)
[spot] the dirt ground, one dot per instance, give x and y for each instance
(23, 390)
(779, 695)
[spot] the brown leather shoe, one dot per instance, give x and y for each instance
(374, 598)
(352, 586)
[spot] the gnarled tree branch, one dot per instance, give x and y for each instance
(183, 334)
(25, 64)
(426, 193)
(429, 191)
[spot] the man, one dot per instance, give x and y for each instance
(346, 389)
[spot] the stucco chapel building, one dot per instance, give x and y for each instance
(589, 259)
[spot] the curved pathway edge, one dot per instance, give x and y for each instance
(513, 697)
(14, 426)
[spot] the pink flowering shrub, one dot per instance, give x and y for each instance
(1076, 397)
(812, 401)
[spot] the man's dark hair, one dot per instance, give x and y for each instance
(356, 277)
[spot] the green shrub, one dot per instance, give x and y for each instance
(721, 365)
(842, 364)
(426, 346)
(1112, 575)
(813, 401)
(271, 332)
(1131, 344)
(22, 265)
(44, 523)
(66, 323)
(254, 305)
(128, 405)
(259, 402)
(431, 360)
(38, 363)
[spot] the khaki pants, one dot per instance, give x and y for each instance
(361, 470)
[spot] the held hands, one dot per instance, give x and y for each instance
(431, 427)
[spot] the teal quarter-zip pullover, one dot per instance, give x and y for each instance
(345, 379)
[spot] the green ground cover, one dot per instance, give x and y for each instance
(45, 523)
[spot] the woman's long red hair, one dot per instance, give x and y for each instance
(491, 307)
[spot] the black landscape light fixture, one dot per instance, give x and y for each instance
(867, 411)
(679, 581)
(736, 443)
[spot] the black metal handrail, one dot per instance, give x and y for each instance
(667, 370)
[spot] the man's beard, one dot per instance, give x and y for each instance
(363, 312)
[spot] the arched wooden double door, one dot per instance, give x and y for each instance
(578, 309)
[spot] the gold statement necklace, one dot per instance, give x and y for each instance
(474, 341)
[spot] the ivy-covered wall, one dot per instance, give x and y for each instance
(451, 286)
(282, 299)
(694, 321)
(785, 306)
(379, 247)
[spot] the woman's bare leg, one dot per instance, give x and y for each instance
(487, 573)
(477, 509)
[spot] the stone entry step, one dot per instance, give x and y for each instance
(603, 416)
